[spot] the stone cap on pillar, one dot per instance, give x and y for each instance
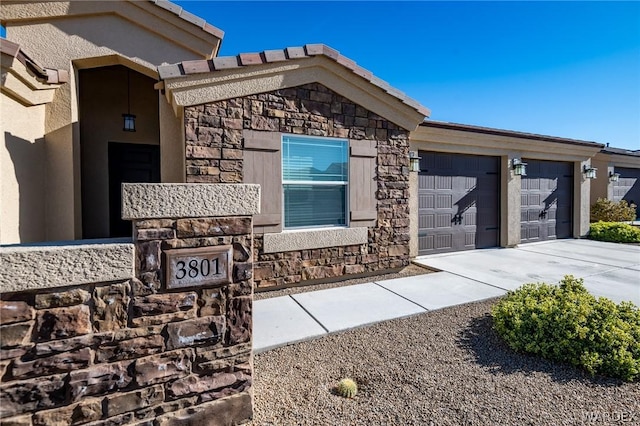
(187, 200)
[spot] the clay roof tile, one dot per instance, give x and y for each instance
(287, 54)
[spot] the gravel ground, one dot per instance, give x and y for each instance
(407, 271)
(445, 367)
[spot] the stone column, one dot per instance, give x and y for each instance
(208, 325)
(109, 334)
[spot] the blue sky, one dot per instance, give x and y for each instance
(569, 69)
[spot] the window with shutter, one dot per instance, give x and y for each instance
(311, 182)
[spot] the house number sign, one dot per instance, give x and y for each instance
(198, 267)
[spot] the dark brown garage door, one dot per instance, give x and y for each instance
(459, 202)
(628, 186)
(547, 199)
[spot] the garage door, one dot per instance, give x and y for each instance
(459, 202)
(547, 199)
(628, 186)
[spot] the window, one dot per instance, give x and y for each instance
(315, 181)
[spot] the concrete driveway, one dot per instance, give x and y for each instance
(611, 270)
(608, 269)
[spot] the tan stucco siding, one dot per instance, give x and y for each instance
(601, 187)
(172, 167)
(55, 43)
(22, 153)
(93, 41)
(180, 29)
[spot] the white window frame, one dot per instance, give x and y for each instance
(318, 183)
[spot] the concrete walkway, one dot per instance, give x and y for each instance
(611, 270)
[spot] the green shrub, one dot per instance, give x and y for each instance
(566, 323)
(616, 232)
(610, 211)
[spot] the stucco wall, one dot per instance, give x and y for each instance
(22, 171)
(70, 44)
(601, 187)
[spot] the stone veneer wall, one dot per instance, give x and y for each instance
(214, 149)
(131, 352)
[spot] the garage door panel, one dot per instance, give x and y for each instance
(444, 220)
(427, 182)
(444, 182)
(488, 238)
(444, 201)
(443, 242)
(426, 201)
(426, 242)
(461, 195)
(547, 196)
(469, 218)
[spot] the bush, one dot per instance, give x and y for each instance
(566, 323)
(609, 211)
(616, 232)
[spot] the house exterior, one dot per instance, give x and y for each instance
(328, 142)
(249, 172)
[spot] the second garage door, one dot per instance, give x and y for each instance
(628, 187)
(459, 202)
(547, 200)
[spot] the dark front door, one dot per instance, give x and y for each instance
(129, 163)
(546, 201)
(627, 187)
(459, 202)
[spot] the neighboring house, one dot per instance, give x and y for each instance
(328, 142)
(620, 170)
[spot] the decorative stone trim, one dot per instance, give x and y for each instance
(164, 200)
(37, 267)
(314, 239)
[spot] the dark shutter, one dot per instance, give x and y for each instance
(262, 164)
(362, 183)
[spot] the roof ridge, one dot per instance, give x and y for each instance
(189, 17)
(506, 132)
(280, 55)
(46, 75)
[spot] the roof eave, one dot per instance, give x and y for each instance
(270, 70)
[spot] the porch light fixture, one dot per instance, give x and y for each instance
(414, 161)
(614, 177)
(519, 168)
(129, 119)
(589, 172)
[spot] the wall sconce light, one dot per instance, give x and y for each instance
(614, 177)
(129, 119)
(414, 161)
(519, 168)
(589, 172)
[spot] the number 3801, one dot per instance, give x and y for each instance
(195, 268)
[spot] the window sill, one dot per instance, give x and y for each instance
(314, 239)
